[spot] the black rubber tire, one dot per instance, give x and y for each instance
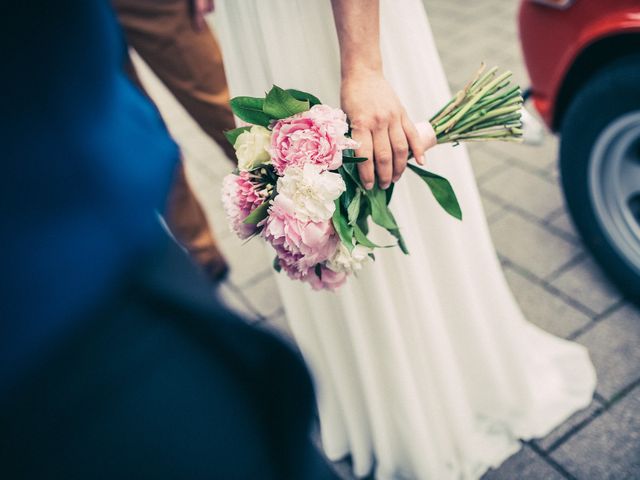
(609, 94)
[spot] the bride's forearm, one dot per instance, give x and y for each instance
(357, 23)
(379, 122)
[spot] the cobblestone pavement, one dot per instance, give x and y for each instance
(555, 281)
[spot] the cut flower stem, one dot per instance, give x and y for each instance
(487, 108)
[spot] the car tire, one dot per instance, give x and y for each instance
(599, 152)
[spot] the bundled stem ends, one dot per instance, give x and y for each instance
(487, 108)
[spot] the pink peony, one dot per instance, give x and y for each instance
(240, 196)
(328, 279)
(316, 136)
(300, 245)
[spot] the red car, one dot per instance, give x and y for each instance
(583, 58)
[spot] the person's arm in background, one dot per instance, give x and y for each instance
(199, 8)
(379, 122)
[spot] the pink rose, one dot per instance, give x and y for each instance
(240, 196)
(316, 136)
(299, 245)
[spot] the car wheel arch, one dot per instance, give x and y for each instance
(591, 60)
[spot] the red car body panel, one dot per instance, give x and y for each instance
(552, 40)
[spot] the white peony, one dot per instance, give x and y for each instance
(312, 191)
(252, 148)
(348, 262)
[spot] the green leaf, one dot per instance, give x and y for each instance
(349, 152)
(363, 217)
(354, 208)
(389, 192)
(380, 212)
(442, 191)
(396, 233)
(363, 224)
(350, 191)
(258, 214)
(276, 264)
(377, 207)
(381, 215)
(362, 239)
(350, 159)
(352, 172)
(281, 104)
(250, 110)
(345, 232)
(300, 95)
(232, 135)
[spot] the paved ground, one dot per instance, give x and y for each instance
(554, 279)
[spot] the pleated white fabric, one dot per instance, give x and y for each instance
(424, 365)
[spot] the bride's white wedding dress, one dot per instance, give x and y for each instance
(424, 365)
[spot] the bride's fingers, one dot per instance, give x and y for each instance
(365, 169)
(416, 142)
(400, 149)
(383, 156)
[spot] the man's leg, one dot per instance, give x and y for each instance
(189, 225)
(156, 30)
(188, 62)
(186, 219)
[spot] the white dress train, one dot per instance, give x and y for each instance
(424, 365)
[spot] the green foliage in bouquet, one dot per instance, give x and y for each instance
(277, 104)
(486, 109)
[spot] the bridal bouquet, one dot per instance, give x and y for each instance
(297, 183)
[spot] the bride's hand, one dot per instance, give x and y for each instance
(380, 124)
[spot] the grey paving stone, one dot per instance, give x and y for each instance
(492, 209)
(531, 246)
(614, 346)
(484, 161)
(278, 321)
(524, 190)
(247, 260)
(586, 283)
(609, 447)
(543, 308)
(511, 50)
(207, 190)
(507, 150)
(564, 223)
(536, 157)
(576, 422)
(477, 49)
(208, 156)
(233, 299)
(263, 296)
(524, 465)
